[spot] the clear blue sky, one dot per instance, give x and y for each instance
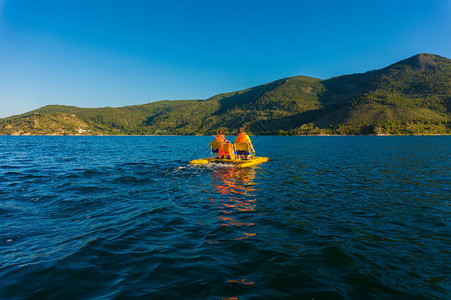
(94, 53)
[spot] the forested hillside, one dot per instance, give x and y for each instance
(412, 96)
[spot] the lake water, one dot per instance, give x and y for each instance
(128, 217)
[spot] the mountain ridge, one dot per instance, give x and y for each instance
(412, 96)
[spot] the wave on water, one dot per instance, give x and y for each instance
(348, 217)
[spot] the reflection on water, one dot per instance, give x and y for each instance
(234, 180)
(236, 201)
(235, 188)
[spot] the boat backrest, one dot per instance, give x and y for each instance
(215, 145)
(214, 148)
(244, 147)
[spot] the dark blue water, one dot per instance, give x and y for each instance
(127, 217)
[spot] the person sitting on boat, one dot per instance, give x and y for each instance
(220, 137)
(242, 137)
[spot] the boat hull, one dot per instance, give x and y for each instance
(240, 163)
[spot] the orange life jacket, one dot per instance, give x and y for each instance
(220, 138)
(241, 138)
(230, 151)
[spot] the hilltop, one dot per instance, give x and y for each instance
(412, 96)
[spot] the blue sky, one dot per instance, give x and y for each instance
(115, 53)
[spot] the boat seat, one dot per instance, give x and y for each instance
(214, 147)
(244, 149)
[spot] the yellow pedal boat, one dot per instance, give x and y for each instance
(240, 163)
(234, 158)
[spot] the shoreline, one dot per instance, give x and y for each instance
(166, 135)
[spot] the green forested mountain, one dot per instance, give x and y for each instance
(412, 96)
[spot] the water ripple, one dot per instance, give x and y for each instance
(127, 217)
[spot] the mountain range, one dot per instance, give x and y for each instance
(412, 96)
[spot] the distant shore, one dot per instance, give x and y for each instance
(304, 135)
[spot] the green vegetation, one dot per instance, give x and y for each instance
(412, 96)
